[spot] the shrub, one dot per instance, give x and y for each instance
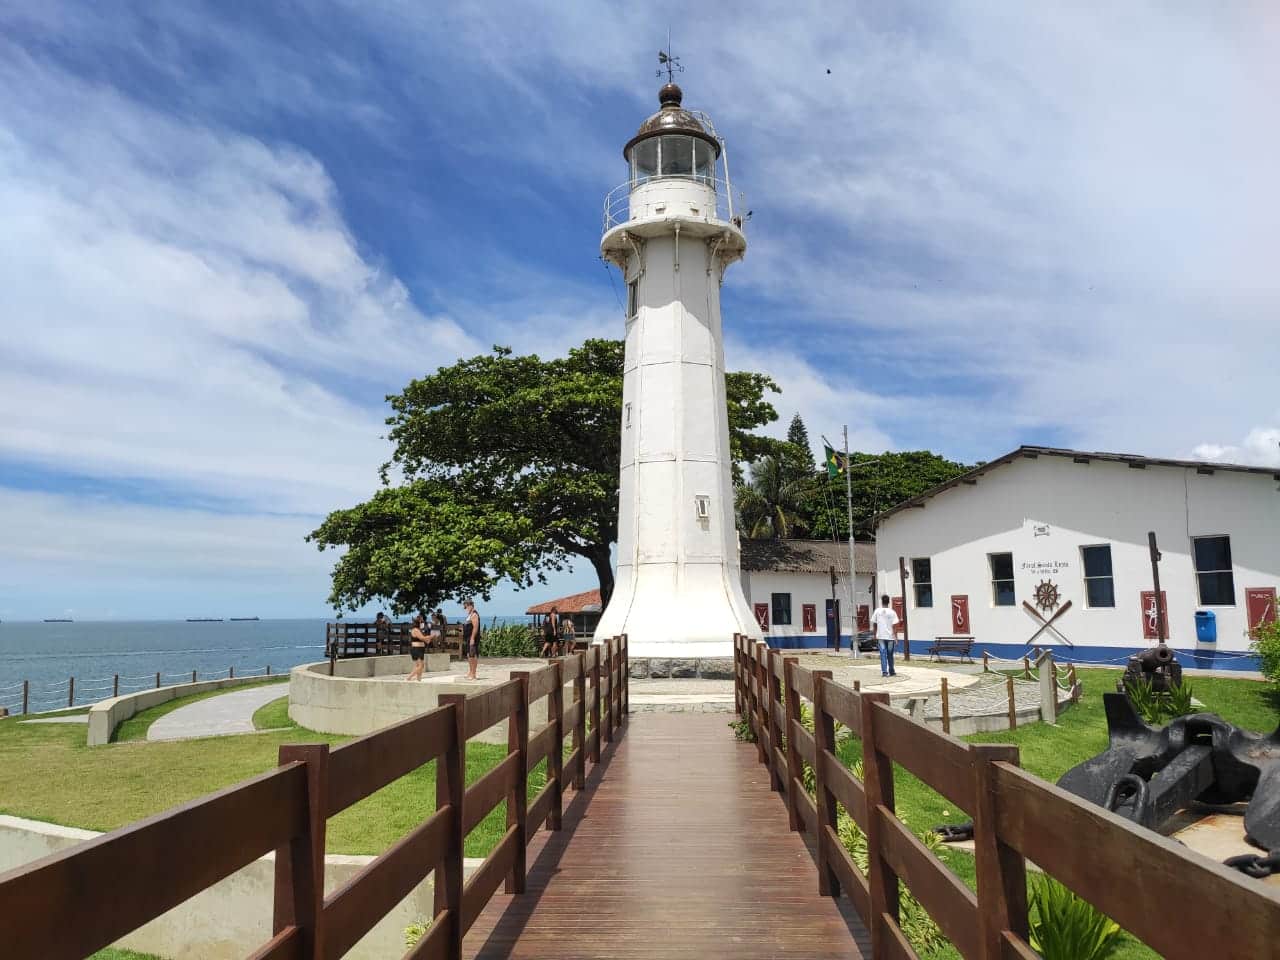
(510, 640)
(742, 731)
(1158, 708)
(1065, 927)
(416, 931)
(1266, 643)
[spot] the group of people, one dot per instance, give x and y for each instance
(426, 635)
(558, 635)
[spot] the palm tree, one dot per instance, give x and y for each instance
(769, 503)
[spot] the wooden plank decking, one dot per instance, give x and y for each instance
(676, 849)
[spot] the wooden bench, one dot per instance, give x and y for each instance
(961, 646)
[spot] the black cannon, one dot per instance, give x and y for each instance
(1157, 665)
(1148, 774)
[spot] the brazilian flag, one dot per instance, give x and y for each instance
(835, 462)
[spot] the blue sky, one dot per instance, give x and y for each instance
(230, 230)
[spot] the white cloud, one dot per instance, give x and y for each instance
(1260, 447)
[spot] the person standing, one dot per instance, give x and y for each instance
(437, 630)
(418, 640)
(471, 637)
(550, 633)
(567, 636)
(883, 622)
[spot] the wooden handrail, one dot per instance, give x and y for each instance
(1118, 867)
(171, 857)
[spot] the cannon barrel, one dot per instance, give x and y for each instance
(1157, 656)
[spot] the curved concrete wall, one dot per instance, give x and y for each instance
(369, 693)
(106, 715)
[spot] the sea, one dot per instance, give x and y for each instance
(47, 655)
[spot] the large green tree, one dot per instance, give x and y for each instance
(505, 468)
(880, 480)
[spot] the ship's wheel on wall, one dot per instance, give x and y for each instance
(1047, 596)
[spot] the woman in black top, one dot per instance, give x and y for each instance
(550, 633)
(471, 637)
(418, 640)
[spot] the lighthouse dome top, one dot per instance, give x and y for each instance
(671, 118)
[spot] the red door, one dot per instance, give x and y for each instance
(897, 608)
(809, 617)
(960, 614)
(1150, 618)
(864, 618)
(1261, 604)
(762, 616)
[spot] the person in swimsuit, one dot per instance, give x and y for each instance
(471, 637)
(437, 630)
(418, 640)
(550, 633)
(567, 636)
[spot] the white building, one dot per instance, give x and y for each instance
(670, 229)
(788, 584)
(1047, 534)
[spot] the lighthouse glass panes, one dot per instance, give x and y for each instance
(673, 156)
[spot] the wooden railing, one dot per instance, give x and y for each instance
(1178, 902)
(71, 904)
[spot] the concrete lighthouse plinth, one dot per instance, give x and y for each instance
(678, 592)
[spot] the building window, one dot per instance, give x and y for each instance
(633, 304)
(1099, 587)
(781, 609)
(1001, 579)
(1213, 571)
(626, 415)
(922, 580)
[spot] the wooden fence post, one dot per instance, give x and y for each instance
(518, 794)
(555, 762)
(71, 692)
(606, 731)
(615, 683)
(737, 677)
(299, 873)
(268, 669)
(626, 677)
(26, 694)
(1048, 688)
(775, 721)
(986, 662)
(824, 741)
(451, 788)
(759, 700)
(1026, 668)
(1001, 870)
(795, 774)
(157, 679)
(877, 781)
(580, 728)
(946, 707)
(1013, 703)
(595, 703)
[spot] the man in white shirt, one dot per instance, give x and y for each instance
(882, 622)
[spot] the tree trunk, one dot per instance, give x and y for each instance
(604, 572)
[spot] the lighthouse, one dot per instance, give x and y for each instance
(672, 231)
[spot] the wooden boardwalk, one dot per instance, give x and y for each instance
(677, 848)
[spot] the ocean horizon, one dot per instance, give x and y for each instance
(94, 652)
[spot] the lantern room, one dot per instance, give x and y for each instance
(672, 143)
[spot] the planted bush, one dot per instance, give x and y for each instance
(510, 640)
(1266, 643)
(1065, 927)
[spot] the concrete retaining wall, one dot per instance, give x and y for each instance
(232, 918)
(367, 694)
(106, 715)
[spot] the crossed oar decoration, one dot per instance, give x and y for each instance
(1045, 624)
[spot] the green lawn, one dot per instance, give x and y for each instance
(111, 953)
(51, 775)
(135, 728)
(1049, 751)
(273, 715)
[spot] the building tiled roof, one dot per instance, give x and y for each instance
(1078, 456)
(586, 602)
(805, 556)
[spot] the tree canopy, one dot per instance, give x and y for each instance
(504, 467)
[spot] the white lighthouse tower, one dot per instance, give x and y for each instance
(671, 229)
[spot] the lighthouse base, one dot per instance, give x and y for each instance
(678, 612)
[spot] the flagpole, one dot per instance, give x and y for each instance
(853, 570)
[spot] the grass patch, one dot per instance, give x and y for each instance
(1049, 751)
(273, 715)
(111, 953)
(51, 775)
(135, 728)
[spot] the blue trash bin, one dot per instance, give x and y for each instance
(1206, 626)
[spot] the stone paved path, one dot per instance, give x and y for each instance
(216, 716)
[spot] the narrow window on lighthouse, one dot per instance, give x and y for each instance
(632, 298)
(626, 415)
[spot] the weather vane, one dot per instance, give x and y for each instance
(671, 63)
